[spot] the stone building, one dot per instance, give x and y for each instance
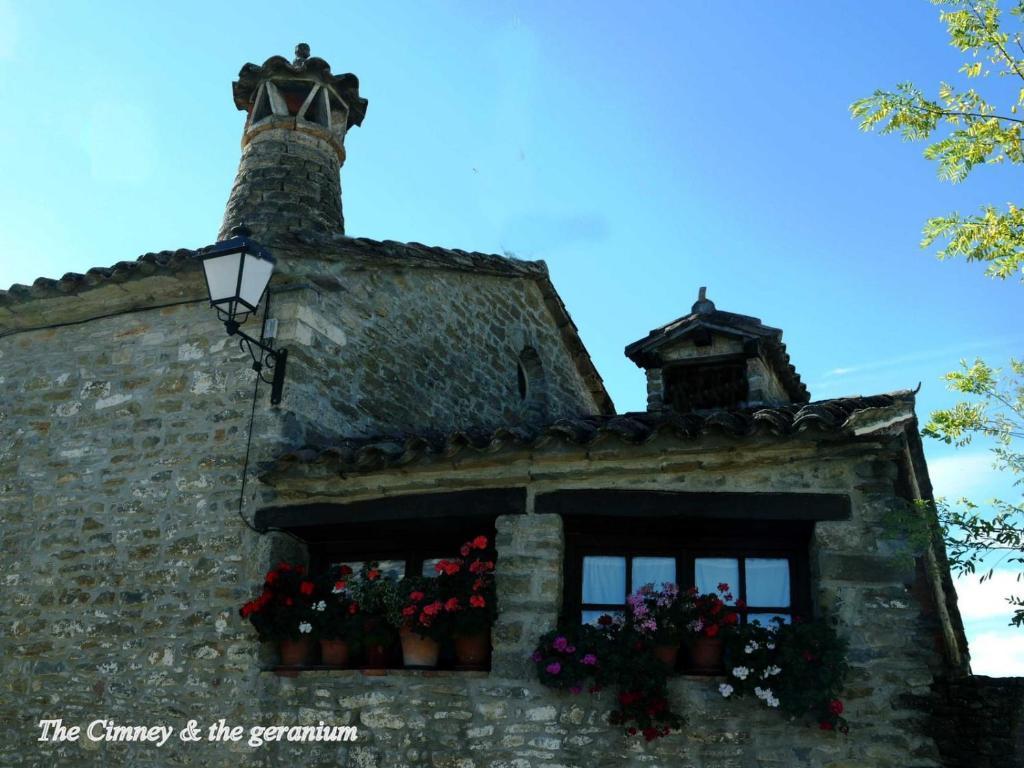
(430, 393)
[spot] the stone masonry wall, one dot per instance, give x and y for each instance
(979, 721)
(420, 350)
(287, 180)
(125, 562)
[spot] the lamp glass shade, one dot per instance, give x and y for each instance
(255, 277)
(222, 276)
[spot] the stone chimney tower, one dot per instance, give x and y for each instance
(293, 146)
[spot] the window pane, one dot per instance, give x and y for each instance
(653, 570)
(428, 566)
(765, 619)
(591, 617)
(392, 570)
(604, 580)
(767, 582)
(712, 571)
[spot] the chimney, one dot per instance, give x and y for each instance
(293, 146)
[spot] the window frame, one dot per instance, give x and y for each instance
(588, 536)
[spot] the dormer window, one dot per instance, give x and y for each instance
(710, 359)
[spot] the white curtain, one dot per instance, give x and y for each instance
(604, 579)
(712, 571)
(767, 582)
(653, 570)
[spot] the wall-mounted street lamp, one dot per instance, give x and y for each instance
(237, 272)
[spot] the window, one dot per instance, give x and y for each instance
(764, 562)
(531, 384)
(402, 548)
(697, 386)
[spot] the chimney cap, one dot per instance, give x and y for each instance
(703, 305)
(344, 88)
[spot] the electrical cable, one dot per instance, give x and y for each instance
(248, 448)
(119, 313)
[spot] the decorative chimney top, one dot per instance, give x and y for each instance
(295, 88)
(293, 146)
(712, 359)
(703, 305)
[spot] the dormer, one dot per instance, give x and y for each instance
(710, 359)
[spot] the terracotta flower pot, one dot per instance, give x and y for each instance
(334, 653)
(419, 652)
(294, 652)
(471, 651)
(707, 654)
(667, 654)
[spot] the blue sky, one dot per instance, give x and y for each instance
(641, 150)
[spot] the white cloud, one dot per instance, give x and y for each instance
(998, 654)
(962, 474)
(987, 599)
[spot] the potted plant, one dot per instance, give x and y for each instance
(711, 620)
(661, 618)
(466, 589)
(420, 618)
(799, 669)
(374, 595)
(575, 658)
(283, 612)
(337, 620)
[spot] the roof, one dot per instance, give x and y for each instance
(849, 416)
(371, 253)
(704, 319)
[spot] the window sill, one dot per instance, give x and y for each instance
(334, 672)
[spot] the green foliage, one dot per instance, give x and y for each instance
(995, 411)
(335, 614)
(966, 130)
(615, 656)
(798, 668)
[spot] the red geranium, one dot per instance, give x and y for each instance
(307, 588)
(835, 707)
(373, 574)
(452, 604)
(480, 542)
(476, 601)
(416, 596)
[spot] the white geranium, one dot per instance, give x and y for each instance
(305, 627)
(335, 590)
(771, 671)
(770, 646)
(771, 701)
(321, 606)
(725, 689)
(740, 673)
(751, 647)
(762, 693)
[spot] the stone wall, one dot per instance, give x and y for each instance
(420, 350)
(979, 721)
(287, 180)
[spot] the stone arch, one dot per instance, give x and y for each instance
(532, 384)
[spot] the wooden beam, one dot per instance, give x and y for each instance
(759, 506)
(481, 503)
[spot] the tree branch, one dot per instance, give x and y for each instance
(996, 44)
